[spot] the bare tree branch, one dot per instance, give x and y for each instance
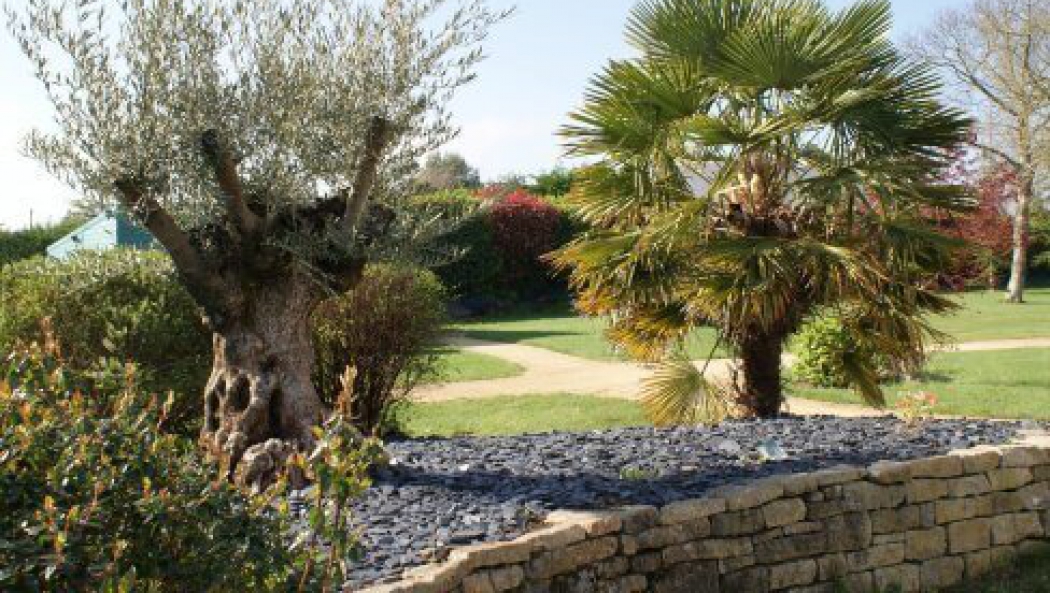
(244, 220)
(999, 153)
(379, 135)
(201, 279)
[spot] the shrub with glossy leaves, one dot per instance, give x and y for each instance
(122, 304)
(95, 497)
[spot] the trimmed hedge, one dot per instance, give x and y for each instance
(498, 247)
(121, 304)
(26, 243)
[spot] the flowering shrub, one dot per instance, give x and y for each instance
(525, 228)
(916, 407)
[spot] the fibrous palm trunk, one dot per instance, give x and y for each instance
(761, 392)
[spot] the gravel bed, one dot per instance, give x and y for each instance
(443, 493)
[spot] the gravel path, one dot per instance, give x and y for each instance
(547, 371)
(443, 493)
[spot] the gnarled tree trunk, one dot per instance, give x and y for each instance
(762, 392)
(260, 402)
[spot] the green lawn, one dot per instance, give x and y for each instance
(456, 365)
(561, 330)
(1000, 384)
(520, 415)
(986, 317)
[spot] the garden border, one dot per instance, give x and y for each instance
(917, 525)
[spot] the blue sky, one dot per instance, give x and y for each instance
(538, 66)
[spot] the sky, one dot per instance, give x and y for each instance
(539, 62)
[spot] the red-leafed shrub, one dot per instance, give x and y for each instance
(987, 229)
(525, 228)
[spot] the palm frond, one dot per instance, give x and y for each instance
(677, 393)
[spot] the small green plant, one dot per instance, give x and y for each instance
(826, 351)
(337, 470)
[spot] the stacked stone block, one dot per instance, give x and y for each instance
(917, 525)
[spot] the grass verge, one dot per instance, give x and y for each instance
(996, 384)
(520, 415)
(455, 366)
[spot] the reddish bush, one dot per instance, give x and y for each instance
(986, 229)
(525, 228)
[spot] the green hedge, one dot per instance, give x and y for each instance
(23, 244)
(121, 304)
(483, 254)
(129, 305)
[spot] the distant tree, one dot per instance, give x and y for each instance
(555, 183)
(266, 145)
(444, 171)
(997, 54)
(760, 163)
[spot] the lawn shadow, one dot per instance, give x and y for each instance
(512, 336)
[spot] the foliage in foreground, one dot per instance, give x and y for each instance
(96, 497)
(128, 305)
(762, 163)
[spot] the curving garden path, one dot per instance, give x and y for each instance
(547, 371)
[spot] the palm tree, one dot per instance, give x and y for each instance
(762, 162)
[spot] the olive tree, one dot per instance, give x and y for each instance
(265, 145)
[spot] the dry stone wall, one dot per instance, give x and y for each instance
(917, 525)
